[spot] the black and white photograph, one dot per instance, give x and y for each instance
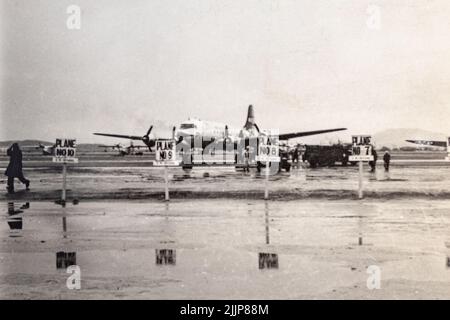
(251, 151)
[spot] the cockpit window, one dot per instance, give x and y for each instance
(187, 126)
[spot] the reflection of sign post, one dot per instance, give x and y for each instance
(166, 156)
(268, 151)
(65, 152)
(361, 151)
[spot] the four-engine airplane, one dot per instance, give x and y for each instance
(215, 132)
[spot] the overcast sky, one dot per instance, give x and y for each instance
(304, 65)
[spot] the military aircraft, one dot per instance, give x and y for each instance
(46, 150)
(215, 132)
(124, 150)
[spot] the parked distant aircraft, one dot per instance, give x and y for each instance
(46, 150)
(215, 132)
(431, 143)
(124, 150)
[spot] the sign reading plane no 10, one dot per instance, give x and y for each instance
(165, 153)
(361, 148)
(65, 151)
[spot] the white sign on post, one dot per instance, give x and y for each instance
(361, 151)
(361, 148)
(268, 149)
(65, 151)
(166, 153)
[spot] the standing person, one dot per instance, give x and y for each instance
(387, 160)
(295, 155)
(14, 169)
(373, 164)
(247, 159)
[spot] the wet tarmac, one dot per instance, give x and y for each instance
(222, 249)
(100, 183)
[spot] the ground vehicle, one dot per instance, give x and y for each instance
(319, 156)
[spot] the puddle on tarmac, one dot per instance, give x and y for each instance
(224, 249)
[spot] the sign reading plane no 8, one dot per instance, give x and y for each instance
(165, 153)
(361, 148)
(268, 149)
(65, 150)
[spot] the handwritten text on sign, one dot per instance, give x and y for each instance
(165, 153)
(65, 150)
(165, 150)
(268, 149)
(361, 148)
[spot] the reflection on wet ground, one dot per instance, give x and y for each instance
(65, 259)
(15, 221)
(165, 256)
(226, 249)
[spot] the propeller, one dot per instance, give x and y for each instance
(146, 137)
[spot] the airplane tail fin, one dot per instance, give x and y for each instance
(250, 123)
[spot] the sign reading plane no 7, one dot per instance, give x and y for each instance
(165, 153)
(65, 150)
(361, 148)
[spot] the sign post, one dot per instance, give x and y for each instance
(361, 151)
(267, 152)
(65, 152)
(165, 157)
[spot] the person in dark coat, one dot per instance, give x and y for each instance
(373, 164)
(387, 160)
(14, 169)
(295, 155)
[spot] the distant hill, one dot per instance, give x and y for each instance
(395, 138)
(85, 147)
(24, 143)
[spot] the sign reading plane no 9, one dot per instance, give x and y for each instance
(361, 148)
(165, 153)
(65, 151)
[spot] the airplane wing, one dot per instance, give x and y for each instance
(119, 136)
(287, 136)
(429, 143)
